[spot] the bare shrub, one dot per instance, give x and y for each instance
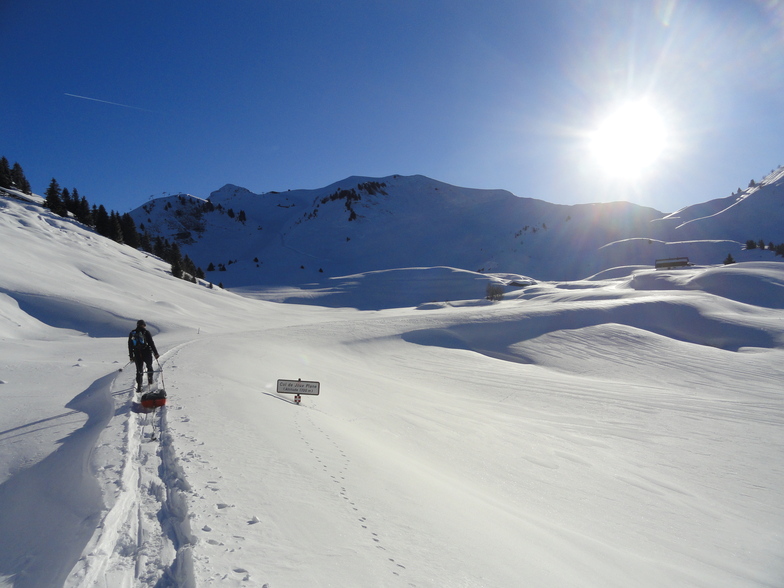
(494, 291)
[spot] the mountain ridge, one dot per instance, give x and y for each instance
(363, 224)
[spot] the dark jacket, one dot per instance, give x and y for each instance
(149, 344)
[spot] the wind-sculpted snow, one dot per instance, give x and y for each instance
(681, 318)
(619, 431)
(392, 288)
(756, 283)
(51, 509)
(78, 315)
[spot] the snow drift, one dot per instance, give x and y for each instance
(624, 430)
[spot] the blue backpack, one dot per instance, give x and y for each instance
(138, 340)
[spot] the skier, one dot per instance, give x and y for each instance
(141, 349)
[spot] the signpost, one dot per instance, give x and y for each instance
(298, 387)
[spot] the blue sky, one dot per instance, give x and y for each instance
(127, 100)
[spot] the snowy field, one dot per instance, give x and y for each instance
(626, 430)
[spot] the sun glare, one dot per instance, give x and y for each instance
(629, 141)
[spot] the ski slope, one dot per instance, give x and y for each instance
(617, 431)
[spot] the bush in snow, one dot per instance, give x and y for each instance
(494, 291)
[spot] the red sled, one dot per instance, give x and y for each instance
(154, 399)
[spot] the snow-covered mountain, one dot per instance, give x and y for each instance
(624, 430)
(366, 224)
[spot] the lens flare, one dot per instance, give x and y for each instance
(629, 141)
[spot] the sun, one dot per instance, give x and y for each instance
(629, 141)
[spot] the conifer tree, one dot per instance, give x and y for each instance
(75, 203)
(102, 221)
(84, 214)
(176, 269)
(146, 242)
(115, 228)
(5, 173)
(188, 266)
(65, 198)
(160, 247)
(130, 234)
(18, 178)
(52, 201)
(174, 255)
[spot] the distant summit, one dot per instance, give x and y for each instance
(363, 224)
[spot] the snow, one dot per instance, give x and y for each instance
(624, 430)
(306, 237)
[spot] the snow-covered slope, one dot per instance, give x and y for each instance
(624, 430)
(752, 213)
(368, 224)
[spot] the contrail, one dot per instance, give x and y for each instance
(107, 102)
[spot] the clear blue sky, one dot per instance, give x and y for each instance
(126, 100)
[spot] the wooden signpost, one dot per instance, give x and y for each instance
(298, 387)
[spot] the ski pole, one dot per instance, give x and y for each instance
(125, 366)
(163, 384)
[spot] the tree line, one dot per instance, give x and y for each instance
(120, 228)
(777, 249)
(13, 178)
(117, 227)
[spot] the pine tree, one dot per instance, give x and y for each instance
(75, 203)
(130, 234)
(160, 247)
(115, 228)
(65, 198)
(174, 255)
(101, 219)
(84, 214)
(188, 266)
(5, 173)
(146, 242)
(52, 201)
(729, 259)
(176, 269)
(19, 179)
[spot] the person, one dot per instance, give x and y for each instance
(141, 349)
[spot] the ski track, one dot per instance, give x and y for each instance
(144, 536)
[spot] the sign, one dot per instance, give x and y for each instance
(298, 387)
